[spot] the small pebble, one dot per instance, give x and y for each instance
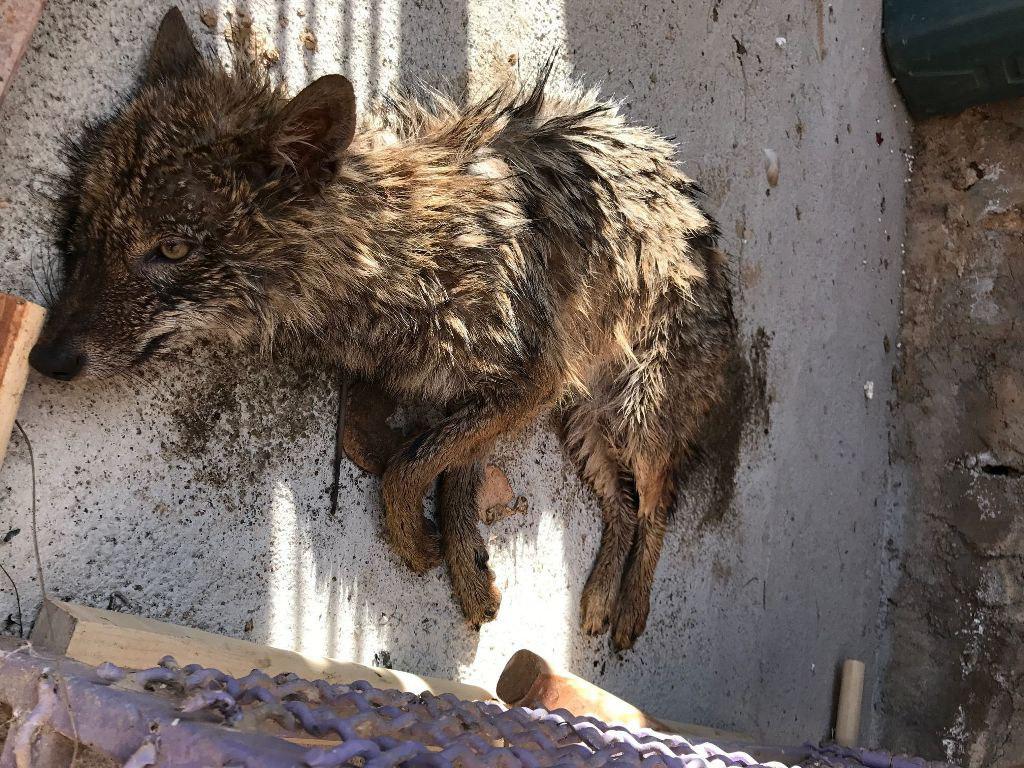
(771, 167)
(308, 40)
(209, 17)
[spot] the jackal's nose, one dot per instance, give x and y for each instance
(59, 359)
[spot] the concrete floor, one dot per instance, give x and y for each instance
(202, 497)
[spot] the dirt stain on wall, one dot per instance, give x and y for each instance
(742, 419)
(235, 396)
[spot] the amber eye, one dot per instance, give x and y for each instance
(174, 250)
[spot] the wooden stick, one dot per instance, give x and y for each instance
(851, 693)
(92, 636)
(20, 323)
(529, 681)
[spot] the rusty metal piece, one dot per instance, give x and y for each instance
(496, 500)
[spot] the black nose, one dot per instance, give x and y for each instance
(59, 360)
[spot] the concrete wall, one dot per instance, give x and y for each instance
(202, 498)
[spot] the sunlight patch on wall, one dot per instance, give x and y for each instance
(512, 37)
(529, 553)
(361, 40)
(295, 600)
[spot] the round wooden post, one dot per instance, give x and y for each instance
(851, 693)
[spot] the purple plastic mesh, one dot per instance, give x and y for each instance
(195, 716)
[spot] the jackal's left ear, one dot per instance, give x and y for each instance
(174, 52)
(316, 126)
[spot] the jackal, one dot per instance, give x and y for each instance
(526, 251)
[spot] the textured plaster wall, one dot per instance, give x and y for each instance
(954, 685)
(199, 494)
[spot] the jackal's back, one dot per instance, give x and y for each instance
(554, 231)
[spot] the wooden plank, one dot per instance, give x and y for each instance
(92, 636)
(18, 19)
(529, 681)
(20, 323)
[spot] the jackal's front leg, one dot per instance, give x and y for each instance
(458, 440)
(465, 552)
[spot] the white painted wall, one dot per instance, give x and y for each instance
(202, 499)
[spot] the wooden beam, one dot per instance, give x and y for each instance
(529, 681)
(20, 323)
(92, 636)
(18, 19)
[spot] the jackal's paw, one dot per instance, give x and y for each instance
(473, 586)
(630, 621)
(596, 607)
(420, 549)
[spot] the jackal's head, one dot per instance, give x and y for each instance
(165, 216)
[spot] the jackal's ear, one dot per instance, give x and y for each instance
(316, 126)
(174, 53)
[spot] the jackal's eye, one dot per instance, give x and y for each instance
(174, 249)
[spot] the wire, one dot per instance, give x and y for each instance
(17, 602)
(35, 530)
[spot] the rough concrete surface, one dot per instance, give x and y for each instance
(954, 686)
(200, 494)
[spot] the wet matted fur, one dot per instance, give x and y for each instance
(494, 259)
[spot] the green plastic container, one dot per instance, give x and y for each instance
(947, 55)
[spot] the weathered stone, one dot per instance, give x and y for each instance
(953, 685)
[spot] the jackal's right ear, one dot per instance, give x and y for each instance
(174, 53)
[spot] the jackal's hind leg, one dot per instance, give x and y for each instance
(601, 593)
(655, 484)
(592, 452)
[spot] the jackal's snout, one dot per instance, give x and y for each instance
(59, 358)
